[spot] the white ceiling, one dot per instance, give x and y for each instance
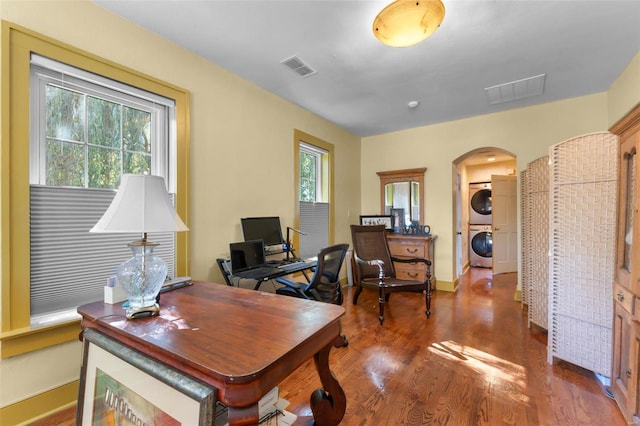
(364, 86)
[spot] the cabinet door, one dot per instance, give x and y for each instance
(627, 232)
(634, 385)
(626, 323)
(621, 375)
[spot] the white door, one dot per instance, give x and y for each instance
(505, 230)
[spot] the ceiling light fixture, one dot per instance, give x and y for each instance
(404, 23)
(491, 158)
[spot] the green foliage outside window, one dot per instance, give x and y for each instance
(308, 178)
(90, 142)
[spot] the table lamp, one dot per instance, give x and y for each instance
(141, 205)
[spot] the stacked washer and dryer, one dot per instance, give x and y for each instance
(480, 239)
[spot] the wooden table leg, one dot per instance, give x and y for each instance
(243, 416)
(329, 403)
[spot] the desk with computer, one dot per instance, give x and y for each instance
(263, 238)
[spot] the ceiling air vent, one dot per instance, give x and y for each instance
(297, 65)
(514, 90)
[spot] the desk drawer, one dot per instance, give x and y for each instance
(409, 271)
(624, 297)
(407, 250)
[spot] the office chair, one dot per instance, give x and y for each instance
(374, 267)
(225, 268)
(324, 286)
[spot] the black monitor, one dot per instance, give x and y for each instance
(262, 228)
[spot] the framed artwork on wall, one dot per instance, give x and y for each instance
(371, 220)
(119, 385)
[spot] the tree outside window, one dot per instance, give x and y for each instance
(91, 142)
(308, 176)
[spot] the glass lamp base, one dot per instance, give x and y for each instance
(141, 278)
(146, 311)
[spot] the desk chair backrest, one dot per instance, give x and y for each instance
(325, 284)
(370, 243)
(225, 269)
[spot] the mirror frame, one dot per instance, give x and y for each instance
(406, 175)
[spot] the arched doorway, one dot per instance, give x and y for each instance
(472, 174)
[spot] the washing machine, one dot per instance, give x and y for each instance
(480, 203)
(480, 246)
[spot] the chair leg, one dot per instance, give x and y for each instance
(357, 294)
(381, 298)
(427, 300)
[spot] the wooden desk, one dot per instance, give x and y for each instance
(241, 342)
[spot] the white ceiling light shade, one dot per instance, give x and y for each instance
(404, 23)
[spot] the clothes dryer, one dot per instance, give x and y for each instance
(480, 203)
(480, 246)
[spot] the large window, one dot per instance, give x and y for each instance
(71, 124)
(86, 132)
(314, 191)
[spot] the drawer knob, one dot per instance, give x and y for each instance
(412, 251)
(620, 296)
(628, 373)
(414, 275)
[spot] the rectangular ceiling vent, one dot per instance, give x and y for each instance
(519, 89)
(297, 65)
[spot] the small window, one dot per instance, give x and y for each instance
(314, 207)
(311, 172)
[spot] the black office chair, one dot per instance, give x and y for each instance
(325, 285)
(225, 268)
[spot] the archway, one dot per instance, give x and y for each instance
(477, 165)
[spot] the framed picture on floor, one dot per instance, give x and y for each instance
(121, 386)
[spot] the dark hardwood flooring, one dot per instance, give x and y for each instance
(474, 362)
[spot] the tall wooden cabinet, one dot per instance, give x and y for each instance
(625, 375)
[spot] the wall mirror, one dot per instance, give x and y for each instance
(401, 195)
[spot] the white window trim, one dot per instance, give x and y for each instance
(318, 153)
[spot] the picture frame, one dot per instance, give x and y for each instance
(397, 216)
(370, 220)
(119, 385)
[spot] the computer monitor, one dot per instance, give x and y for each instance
(246, 255)
(262, 228)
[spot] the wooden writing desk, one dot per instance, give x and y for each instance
(241, 342)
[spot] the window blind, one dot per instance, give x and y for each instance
(69, 265)
(314, 221)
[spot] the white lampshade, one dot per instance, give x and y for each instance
(142, 204)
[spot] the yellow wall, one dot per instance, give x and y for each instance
(241, 155)
(483, 172)
(624, 93)
(526, 132)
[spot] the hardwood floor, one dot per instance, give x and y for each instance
(474, 362)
